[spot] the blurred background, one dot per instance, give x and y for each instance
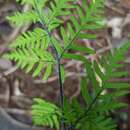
(17, 88)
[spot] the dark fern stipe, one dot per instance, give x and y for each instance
(30, 50)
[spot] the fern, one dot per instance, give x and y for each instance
(99, 123)
(32, 57)
(39, 51)
(41, 3)
(91, 20)
(45, 113)
(112, 70)
(58, 8)
(20, 19)
(97, 103)
(35, 39)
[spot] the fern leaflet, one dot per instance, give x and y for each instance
(45, 113)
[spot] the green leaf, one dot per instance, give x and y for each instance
(119, 74)
(88, 66)
(33, 39)
(57, 46)
(98, 70)
(92, 27)
(117, 85)
(82, 48)
(38, 70)
(76, 106)
(87, 36)
(56, 122)
(45, 113)
(47, 72)
(85, 91)
(20, 19)
(64, 35)
(69, 114)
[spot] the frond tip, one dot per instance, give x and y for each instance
(45, 113)
(19, 19)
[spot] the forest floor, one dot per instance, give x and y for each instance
(17, 88)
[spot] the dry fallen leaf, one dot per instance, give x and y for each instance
(125, 3)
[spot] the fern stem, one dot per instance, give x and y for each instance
(61, 94)
(69, 44)
(58, 58)
(60, 83)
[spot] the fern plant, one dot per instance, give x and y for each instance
(40, 50)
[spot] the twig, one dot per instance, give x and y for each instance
(110, 44)
(17, 111)
(10, 71)
(119, 11)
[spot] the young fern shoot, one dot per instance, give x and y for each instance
(44, 51)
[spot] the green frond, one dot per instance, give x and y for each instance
(95, 122)
(87, 18)
(81, 49)
(58, 8)
(46, 114)
(20, 19)
(100, 99)
(38, 38)
(29, 58)
(108, 106)
(72, 110)
(31, 52)
(26, 1)
(50, 16)
(116, 94)
(112, 67)
(85, 91)
(90, 72)
(41, 3)
(69, 114)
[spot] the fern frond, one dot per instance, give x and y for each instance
(88, 68)
(38, 38)
(45, 113)
(103, 103)
(71, 110)
(95, 122)
(58, 8)
(89, 17)
(26, 1)
(50, 18)
(32, 2)
(111, 68)
(31, 52)
(29, 58)
(20, 19)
